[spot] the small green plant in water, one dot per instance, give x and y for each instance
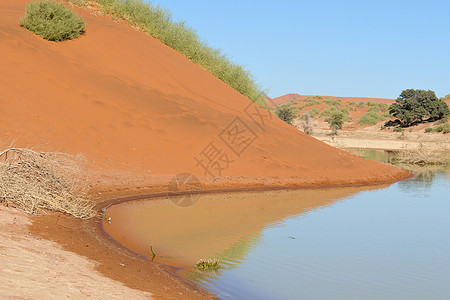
(208, 264)
(52, 21)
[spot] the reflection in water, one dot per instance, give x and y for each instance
(225, 226)
(387, 242)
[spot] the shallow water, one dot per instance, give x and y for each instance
(384, 242)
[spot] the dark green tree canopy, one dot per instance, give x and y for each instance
(414, 106)
(336, 120)
(286, 114)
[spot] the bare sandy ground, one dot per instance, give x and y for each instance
(373, 138)
(35, 268)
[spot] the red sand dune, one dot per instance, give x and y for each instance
(140, 112)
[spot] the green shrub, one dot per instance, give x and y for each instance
(386, 114)
(286, 114)
(370, 118)
(326, 112)
(314, 112)
(52, 21)
(444, 128)
(208, 264)
(345, 110)
(332, 102)
(295, 110)
(374, 109)
(443, 120)
(361, 104)
(398, 129)
(336, 121)
(311, 102)
(441, 128)
(417, 106)
(158, 23)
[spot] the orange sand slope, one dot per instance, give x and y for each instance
(140, 112)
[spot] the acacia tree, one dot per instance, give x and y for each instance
(336, 121)
(286, 114)
(414, 106)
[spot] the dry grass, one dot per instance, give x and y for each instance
(35, 181)
(423, 155)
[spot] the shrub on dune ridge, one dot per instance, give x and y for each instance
(52, 21)
(158, 22)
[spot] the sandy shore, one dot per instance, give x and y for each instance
(32, 267)
(385, 141)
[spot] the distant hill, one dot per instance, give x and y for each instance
(290, 97)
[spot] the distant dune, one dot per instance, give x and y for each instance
(140, 113)
(288, 97)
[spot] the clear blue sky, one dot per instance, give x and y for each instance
(338, 48)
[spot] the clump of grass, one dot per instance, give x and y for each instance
(444, 128)
(332, 101)
(35, 181)
(328, 111)
(370, 118)
(379, 106)
(158, 23)
(208, 264)
(313, 112)
(52, 21)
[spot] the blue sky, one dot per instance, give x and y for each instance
(337, 48)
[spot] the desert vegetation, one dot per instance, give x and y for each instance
(52, 21)
(423, 155)
(336, 121)
(286, 114)
(444, 128)
(208, 264)
(158, 23)
(38, 181)
(416, 106)
(307, 123)
(371, 117)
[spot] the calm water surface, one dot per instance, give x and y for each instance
(385, 242)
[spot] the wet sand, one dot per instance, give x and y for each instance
(32, 267)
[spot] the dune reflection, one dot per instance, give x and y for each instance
(220, 225)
